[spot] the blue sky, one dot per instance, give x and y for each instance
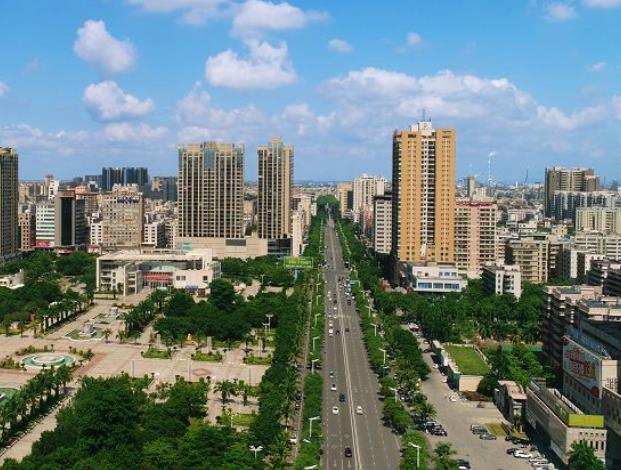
(122, 82)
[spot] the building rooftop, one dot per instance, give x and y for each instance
(136, 255)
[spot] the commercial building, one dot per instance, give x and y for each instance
(128, 272)
(45, 222)
(275, 186)
(475, 236)
(502, 279)
(432, 278)
(565, 179)
(122, 216)
(423, 190)
(243, 248)
(211, 191)
(602, 219)
(382, 223)
(559, 422)
(9, 223)
(69, 221)
(531, 255)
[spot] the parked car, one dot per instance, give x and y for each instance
(520, 454)
(333, 387)
(487, 436)
(335, 410)
(348, 452)
(293, 438)
(342, 397)
(511, 450)
(359, 410)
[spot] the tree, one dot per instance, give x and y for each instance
(582, 457)
(106, 333)
(443, 454)
(226, 388)
(222, 295)
(427, 411)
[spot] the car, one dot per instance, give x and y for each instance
(335, 410)
(331, 374)
(333, 387)
(338, 332)
(436, 366)
(293, 438)
(348, 453)
(346, 330)
(440, 431)
(511, 450)
(298, 405)
(487, 437)
(538, 462)
(453, 398)
(359, 410)
(520, 454)
(463, 464)
(342, 397)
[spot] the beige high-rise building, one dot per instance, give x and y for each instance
(122, 217)
(475, 236)
(344, 193)
(210, 193)
(531, 255)
(27, 229)
(602, 219)
(566, 179)
(275, 185)
(423, 194)
(472, 186)
(9, 242)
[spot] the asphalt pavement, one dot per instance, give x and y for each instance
(373, 445)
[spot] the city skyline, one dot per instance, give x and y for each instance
(307, 71)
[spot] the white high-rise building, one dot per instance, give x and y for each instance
(382, 226)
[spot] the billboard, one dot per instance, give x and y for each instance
(298, 262)
(582, 365)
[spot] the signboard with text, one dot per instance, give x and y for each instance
(582, 365)
(298, 262)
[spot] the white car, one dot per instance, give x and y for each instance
(359, 410)
(333, 387)
(520, 454)
(293, 438)
(335, 410)
(444, 380)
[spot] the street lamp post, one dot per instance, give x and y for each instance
(269, 321)
(310, 425)
(396, 393)
(384, 351)
(317, 315)
(315, 338)
(317, 299)
(313, 365)
(256, 450)
(417, 453)
(375, 325)
(369, 307)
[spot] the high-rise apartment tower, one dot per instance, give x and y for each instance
(9, 217)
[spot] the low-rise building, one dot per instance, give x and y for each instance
(510, 398)
(128, 272)
(248, 247)
(432, 278)
(560, 423)
(502, 279)
(13, 281)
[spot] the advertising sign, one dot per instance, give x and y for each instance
(582, 365)
(298, 262)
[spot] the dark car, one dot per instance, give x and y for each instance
(439, 431)
(348, 452)
(338, 332)
(346, 330)
(487, 437)
(342, 397)
(511, 450)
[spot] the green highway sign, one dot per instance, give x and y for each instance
(298, 262)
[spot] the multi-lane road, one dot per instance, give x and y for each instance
(373, 445)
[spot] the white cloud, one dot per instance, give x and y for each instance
(559, 12)
(195, 12)
(339, 45)
(414, 39)
(265, 67)
(602, 3)
(257, 16)
(4, 88)
(106, 101)
(558, 120)
(598, 67)
(125, 132)
(95, 45)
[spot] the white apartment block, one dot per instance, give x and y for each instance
(502, 279)
(154, 234)
(382, 223)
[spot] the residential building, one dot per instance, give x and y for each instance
(471, 186)
(345, 195)
(382, 223)
(475, 236)
(297, 232)
(559, 422)
(531, 254)
(565, 179)
(123, 176)
(9, 194)
(365, 188)
(164, 187)
(606, 245)
(423, 190)
(602, 219)
(128, 272)
(502, 279)
(27, 229)
(565, 203)
(211, 191)
(155, 234)
(45, 223)
(598, 273)
(275, 186)
(122, 215)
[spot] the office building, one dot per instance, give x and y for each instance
(275, 186)
(564, 179)
(45, 223)
(211, 191)
(382, 223)
(69, 220)
(123, 176)
(475, 236)
(9, 223)
(602, 219)
(432, 278)
(423, 194)
(122, 217)
(502, 279)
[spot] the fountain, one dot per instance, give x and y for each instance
(44, 360)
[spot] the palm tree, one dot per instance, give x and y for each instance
(426, 411)
(106, 333)
(226, 388)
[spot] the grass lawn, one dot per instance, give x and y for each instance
(467, 359)
(208, 357)
(75, 335)
(258, 361)
(153, 353)
(244, 419)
